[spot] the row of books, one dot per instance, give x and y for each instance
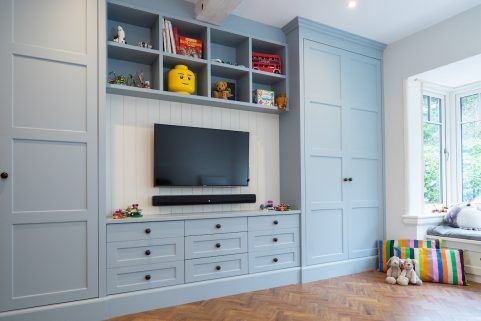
(177, 44)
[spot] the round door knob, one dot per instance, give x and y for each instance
(217, 245)
(274, 239)
(350, 179)
(4, 175)
(218, 268)
(147, 252)
(148, 230)
(275, 260)
(218, 226)
(148, 277)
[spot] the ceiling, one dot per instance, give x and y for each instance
(454, 75)
(382, 20)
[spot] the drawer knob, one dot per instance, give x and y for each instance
(147, 252)
(218, 267)
(218, 226)
(275, 260)
(274, 239)
(276, 222)
(218, 245)
(148, 277)
(4, 175)
(148, 230)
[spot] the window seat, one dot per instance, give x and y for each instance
(454, 232)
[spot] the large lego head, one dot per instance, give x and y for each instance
(181, 80)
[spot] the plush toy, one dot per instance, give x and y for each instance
(281, 101)
(120, 37)
(408, 274)
(394, 270)
(221, 90)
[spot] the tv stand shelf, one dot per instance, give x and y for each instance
(142, 24)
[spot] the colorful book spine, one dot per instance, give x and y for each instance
(172, 39)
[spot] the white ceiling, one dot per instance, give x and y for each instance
(464, 72)
(382, 20)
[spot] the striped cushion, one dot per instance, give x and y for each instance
(386, 249)
(436, 265)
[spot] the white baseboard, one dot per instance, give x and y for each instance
(473, 278)
(138, 301)
(331, 270)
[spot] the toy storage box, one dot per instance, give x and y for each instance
(264, 97)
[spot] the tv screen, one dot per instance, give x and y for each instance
(188, 156)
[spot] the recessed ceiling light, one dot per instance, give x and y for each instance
(352, 4)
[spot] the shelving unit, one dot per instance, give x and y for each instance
(234, 49)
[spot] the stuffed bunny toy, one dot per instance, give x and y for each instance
(394, 270)
(408, 274)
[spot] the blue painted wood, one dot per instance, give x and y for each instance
(273, 240)
(216, 244)
(215, 267)
(214, 225)
(273, 222)
(144, 231)
(261, 261)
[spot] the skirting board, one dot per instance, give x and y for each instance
(138, 301)
(331, 270)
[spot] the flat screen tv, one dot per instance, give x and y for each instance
(188, 156)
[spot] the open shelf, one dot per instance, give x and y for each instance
(229, 47)
(131, 53)
(191, 30)
(237, 78)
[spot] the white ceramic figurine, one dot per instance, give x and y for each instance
(120, 37)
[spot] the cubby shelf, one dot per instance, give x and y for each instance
(233, 48)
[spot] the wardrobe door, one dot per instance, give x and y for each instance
(325, 154)
(48, 152)
(363, 102)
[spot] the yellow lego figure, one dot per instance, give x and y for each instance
(181, 80)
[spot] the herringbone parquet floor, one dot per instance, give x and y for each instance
(357, 297)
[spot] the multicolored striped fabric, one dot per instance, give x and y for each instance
(436, 265)
(386, 249)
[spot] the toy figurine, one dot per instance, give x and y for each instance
(221, 90)
(282, 207)
(118, 215)
(281, 101)
(145, 44)
(118, 80)
(131, 211)
(181, 80)
(120, 37)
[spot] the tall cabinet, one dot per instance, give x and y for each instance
(336, 120)
(48, 152)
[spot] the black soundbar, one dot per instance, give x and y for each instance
(169, 200)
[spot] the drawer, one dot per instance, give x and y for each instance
(144, 230)
(270, 240)
(145, 252)
(215, 267)
(273, 222)
(216, 225)
(134, 278)
(472, 259)
(215, 244)
(273, 260)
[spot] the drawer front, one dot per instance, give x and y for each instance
(144, 231)
(273, 260)
(472, 259)
(270, 240)
(216, 225)
(273, 222)
(216, 244)
(134, 278)
(215, 267)
(145, 252)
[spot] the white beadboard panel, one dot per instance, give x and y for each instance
(130, 152)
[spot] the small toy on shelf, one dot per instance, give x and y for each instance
(281, 101)
(264, 97)
(222, 91)
(145, 44)
(131, 211)
(266, 62)
(141, 82)
(268, 206)
(118, 215)
(181, 80)
(118, 80)
(282, 207)
(120, 36)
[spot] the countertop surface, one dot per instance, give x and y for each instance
(195, 216)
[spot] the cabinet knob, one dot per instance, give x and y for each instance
(350, 179)
(275, 260)
(217, 245)
(346, 179)
(148, 277)
(148, 230)
(4, 175)
(218, 268)
(218, 226)
(147, 252)
(274, 239)
(276, 222)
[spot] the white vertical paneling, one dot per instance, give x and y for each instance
(130, 141)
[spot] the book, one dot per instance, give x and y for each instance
(164, 36)
(172, 40)
(190, 47)
(176, 37)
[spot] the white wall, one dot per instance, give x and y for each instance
(130, 152)
(449, 41)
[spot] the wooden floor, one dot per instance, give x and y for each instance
(357, 297)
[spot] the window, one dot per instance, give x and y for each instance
(469, 129)
(434, 133)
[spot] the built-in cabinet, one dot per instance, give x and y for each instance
(336, 118)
